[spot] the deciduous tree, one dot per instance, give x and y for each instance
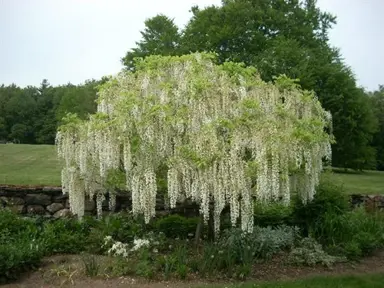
(377, 98)
(283, 37)
(160, 37)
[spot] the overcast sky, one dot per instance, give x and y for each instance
(74, 40)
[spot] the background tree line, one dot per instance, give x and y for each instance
(31, 115)
(276, 36)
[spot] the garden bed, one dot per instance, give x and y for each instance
(67, 270)
(324, 236)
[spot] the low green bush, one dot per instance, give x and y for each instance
(235, 248)
(123, 227)
(310, 252)
(17, 257)
(273, 214)
(176, 226)
(12, 225)
(329, 198)
(262, 243)
(354, 234)
(331, 221)
(20, 250)
(65, 236)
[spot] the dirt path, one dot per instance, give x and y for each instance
(54, 275)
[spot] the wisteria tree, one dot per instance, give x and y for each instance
(221, 134)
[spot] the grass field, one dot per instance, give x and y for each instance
(361, 281)
(29, 165)
(367, 182)
(37, 165)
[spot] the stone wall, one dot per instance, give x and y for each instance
(370, 202)
(50, 202)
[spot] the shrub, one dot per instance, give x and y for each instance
(235, 247)
(95, 242)
(18, 256)
(273, 214)
(123, 227)
(176, 226)
(20, 250)
(65, 236)
(354, 234)
(309, 252)
(329, 198)
(12, 225)
(342, 231)
(268, 241)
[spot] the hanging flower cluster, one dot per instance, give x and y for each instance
(219, 134)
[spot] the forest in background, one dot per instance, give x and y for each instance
(275, 36)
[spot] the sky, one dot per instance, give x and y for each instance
(75, 40)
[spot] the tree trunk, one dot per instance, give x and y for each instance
(211, 226)
(199, 228)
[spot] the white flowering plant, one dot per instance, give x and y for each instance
(218, 132)
(152, 242)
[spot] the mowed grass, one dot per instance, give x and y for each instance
(29, 165)
(366, 182)
(38, 165)
(357, 281)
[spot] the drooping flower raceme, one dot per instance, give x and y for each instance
(220, 134)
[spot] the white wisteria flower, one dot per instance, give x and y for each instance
(222, 135)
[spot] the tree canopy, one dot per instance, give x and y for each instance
(279, 37)
(220, 132)
(160, 36)
(31, 115)
(377, 98)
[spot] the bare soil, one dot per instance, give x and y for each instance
(67, 271)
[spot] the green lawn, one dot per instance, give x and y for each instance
(37, 165)
(362, 281)
(29, 165)
(367, 182)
